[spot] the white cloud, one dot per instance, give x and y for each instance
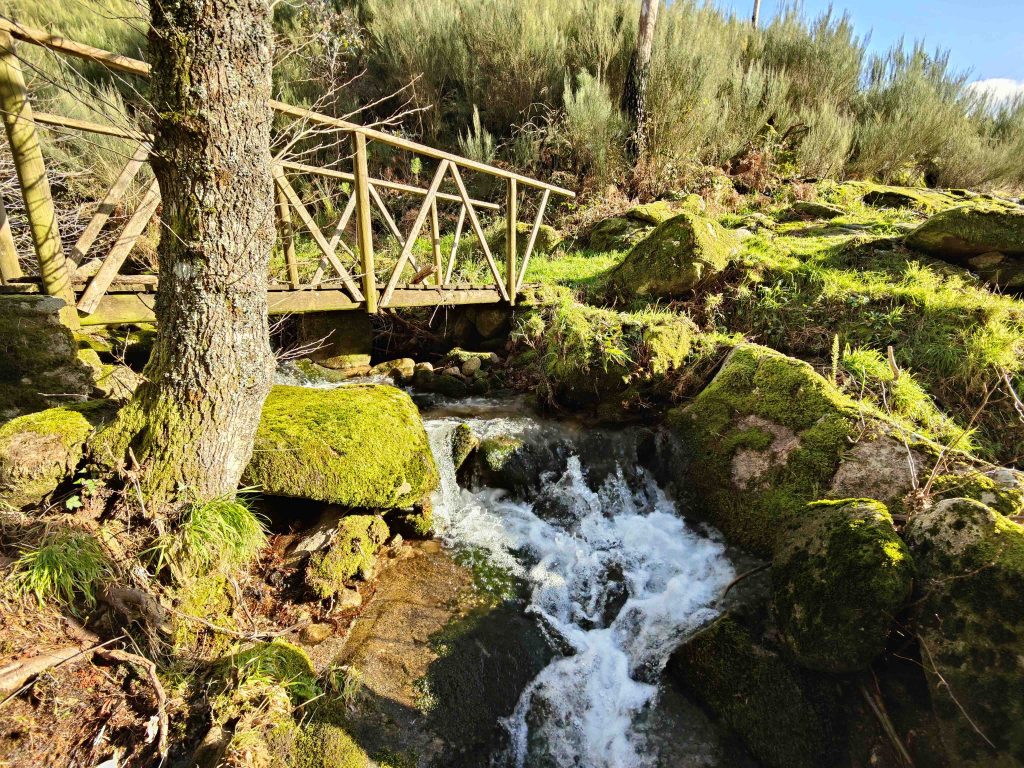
(999, 88)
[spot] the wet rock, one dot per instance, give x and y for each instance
(314, 634)
(347, 599)
(838, 581)
(970, 620)
(416, 523)
(401, 369)
(680, 254)
(423, 367)
(471, 366)
(463, 443)
(358, 446)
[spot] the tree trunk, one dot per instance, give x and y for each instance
(634, 95)
(191, 424)
(757, 12)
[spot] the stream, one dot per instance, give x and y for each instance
(614, 576)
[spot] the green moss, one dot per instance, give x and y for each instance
(769, 433)
(970, 231)
(351, 554)
(783, 716)
(548, 238)
(674, 259)
(463, 442)
(207, 597)
(323, 745)
(616, 234)
(654, 213)
(970, 622)
(359, 446)
(40, 450)
(838, 580)
(1005, 500)
(415, 524)
(279, 662)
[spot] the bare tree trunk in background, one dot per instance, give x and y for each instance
(191, 424)
(634, 95)
(757, 12)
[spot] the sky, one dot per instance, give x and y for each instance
(984, 37)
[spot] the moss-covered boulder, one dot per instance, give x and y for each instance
(1002, 488)
(463, 442)
(588, 355)
(970, 623)
(358, 446)
(654, 213)
(324, 745)
(675, 258)
(548, 238)
(40, 450)
(617, 233)
(838, 579)
(989, 241)
(812, 210)
(759, 443)
(783, 715)
(351, 554)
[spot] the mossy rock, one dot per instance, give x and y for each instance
(548, 238)
(343, 339)
(654, 213)
(759, 443)
(417, 523)
(807, 209)
(207, 597)
(616, 234)
(40, 450)
(351, 554)
(783, 715)
(970, 623)
(675, 258)
(324, 745)
(117, 382)
(1001, 489)
(838, 580)
(463, 443)
(358, 446)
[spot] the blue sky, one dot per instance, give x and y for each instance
(983, 36)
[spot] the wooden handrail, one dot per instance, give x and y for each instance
(134, 66)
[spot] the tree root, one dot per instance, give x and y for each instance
(163, 723)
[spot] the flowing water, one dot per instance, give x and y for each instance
(615, 576)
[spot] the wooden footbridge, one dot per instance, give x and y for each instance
(346, 276)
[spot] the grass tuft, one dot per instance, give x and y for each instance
(65, 567)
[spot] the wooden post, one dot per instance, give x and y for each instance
(364, 231)
(287, 233)
(511, 217)
(435, 244)
(10, 268)
(35, 188)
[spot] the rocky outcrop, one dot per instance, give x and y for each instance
(988, 241)
(675, 258)
(40, 450)
(970, 624)
(358, 446)
(839, 578)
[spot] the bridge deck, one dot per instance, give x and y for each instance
(130, 299)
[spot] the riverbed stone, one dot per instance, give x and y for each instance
(342, 339)
(838, 580)
(970, 624)
(401, 369)
(351, 554)
(679, 255)
(358, 446)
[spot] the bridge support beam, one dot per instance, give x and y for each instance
(10, 268)
(23, 137)
(364, 232)
(511, 229)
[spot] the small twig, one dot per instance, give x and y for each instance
(241, 601)
(250, 636)
(741, 577)
(887, 726)
(154, 679)
(945, 684)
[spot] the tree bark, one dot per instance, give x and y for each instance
(755, 17)
(634, 94)
(191, 424)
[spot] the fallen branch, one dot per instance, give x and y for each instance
(154, 680)
(18, 676)
(253, 636)
(887, 726)
(741, 577)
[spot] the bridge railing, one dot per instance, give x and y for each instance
(347, 275)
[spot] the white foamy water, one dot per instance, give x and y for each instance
(617, 576)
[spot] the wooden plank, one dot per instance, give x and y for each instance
(455, 243)
(287, 233)
(117, 308)
(10, 267)
(126, 64)
(27, 154)
(314, 230)
(475, 222)
(511, 226)
(533, 238)
(435, 243)
(443, 297)
(364, 226)
(410, 239)
(114, 260)
(381, 183)
(390, 222)
(109, 203)
(335, 241)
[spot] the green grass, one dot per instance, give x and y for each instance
(218, 534)
(66, 567)
(582, 270)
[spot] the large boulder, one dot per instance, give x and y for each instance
(759, 443)
(617, 233)
(358, 446)
(675, 258)
(838, 580)
(970, 624)
(989, 241)
(40, 450)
